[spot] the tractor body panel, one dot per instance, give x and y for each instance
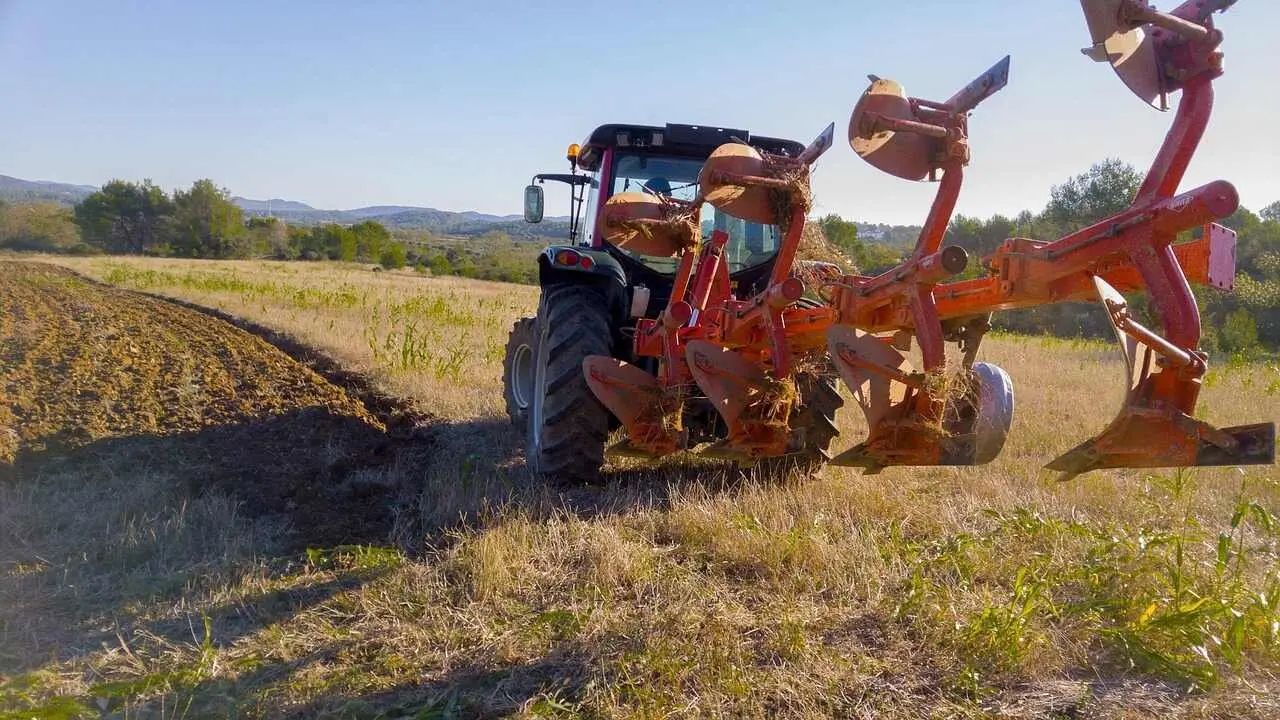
(568, 263)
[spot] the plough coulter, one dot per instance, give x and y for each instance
(680, 314)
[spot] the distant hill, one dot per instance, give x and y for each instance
(468, 223)
(376, 210)
(273, 205)
(18, 190)
(410, 217)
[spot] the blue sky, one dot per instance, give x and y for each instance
(455, 104)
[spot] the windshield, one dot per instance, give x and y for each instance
(749, 243)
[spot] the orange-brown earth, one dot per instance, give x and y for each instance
(117, 381)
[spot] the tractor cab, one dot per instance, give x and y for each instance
(670, 226)
(663, 162)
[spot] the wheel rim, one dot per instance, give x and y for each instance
(995, 411)
(522, 376)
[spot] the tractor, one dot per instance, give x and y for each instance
(651, 247)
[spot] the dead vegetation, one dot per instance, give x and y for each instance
(682, 592)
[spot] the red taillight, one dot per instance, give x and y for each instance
(567, 257)
(587, 262)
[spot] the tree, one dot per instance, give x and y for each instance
(439, 265)
(40, 227)
(393, 256)
(346, 243)
(842, 233)
(331, 241)
(1240, 332)
(1271, 212)
(207, 223)
(270, 237)
(1106, 189)
(870, 258)
(1255, 237)
(125, 217)
(372, 238)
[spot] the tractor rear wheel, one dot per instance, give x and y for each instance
(567, 426)
(518, 371)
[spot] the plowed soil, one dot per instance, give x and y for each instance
(97, 379)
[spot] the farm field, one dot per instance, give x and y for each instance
(325, 514)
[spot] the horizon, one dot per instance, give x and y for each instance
(387, 104)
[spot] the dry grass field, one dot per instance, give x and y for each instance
(199, 524)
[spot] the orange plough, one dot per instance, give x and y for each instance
(913, 422)
(695, 329)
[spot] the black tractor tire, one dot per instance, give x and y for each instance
(818, 401)
(567, 426)
(518, 371)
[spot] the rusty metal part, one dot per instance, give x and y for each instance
(1135, 249)
(1142, 44)
(754, 340)
(907, 155)
(980, 88)
(1209, 260)
(906, 293)
(1133, 334)
(912, 422)
(913, 138)
(876, 374)
(881, 130)
(1165, 438)
(755, 407)
(649, 225)
(1154, 427)
(1128, 47)
(650, 413)
(721, 183)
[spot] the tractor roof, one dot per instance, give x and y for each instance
(677, 139)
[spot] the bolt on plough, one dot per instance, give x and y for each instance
(695, 324)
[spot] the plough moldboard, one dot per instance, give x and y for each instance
(743, 353)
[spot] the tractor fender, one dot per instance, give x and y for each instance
(603, 271)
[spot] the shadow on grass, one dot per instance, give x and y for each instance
(476, 474)
(471, 690)
(476, 469)
(92, 537)
(136, 540)
(550, 683)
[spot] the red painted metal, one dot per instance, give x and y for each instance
(734, 349)
(746, 347)
(1133, 249)
(1207, 261)
(605, 191)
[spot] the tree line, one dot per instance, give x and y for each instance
(203, 222)
(139, 218)
(1241, 321)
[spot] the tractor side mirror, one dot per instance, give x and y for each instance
(533, 204)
